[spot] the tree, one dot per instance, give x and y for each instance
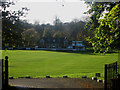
(102, 34)
(107, 35)
(57, 24)
(47, 33)
(11, 25)
(30, 37)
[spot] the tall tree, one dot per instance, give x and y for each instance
(47, 33)
(30, 37)
(96, 25)
(11, 25)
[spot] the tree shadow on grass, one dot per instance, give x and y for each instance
(87, 52)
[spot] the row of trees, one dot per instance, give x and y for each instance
(20, 33)
(102, 30)
(72, 31)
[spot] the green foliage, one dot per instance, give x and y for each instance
(47, 33)
(106, 31)
(72, 31)
(30, 37)
(11, 25)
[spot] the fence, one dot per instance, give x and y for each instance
(112, 78)
(4, 69)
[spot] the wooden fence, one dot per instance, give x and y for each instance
(112, 77)
(4, 69)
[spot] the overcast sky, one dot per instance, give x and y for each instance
(45, 11)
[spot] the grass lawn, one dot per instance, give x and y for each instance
(38, 63)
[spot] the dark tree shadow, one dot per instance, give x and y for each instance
(88, 52)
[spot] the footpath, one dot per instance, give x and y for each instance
(55, 83)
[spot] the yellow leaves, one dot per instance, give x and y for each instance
(107, 39)
(101, 23)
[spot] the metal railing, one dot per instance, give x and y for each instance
(111, 76)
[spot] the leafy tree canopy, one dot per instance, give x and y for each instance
(106, 31)
(11, 25)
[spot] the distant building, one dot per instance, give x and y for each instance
(54, 43)
(78, 45)
(61, 43)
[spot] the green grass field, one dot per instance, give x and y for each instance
(56, 64)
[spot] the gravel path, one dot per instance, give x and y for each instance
(55, 83)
